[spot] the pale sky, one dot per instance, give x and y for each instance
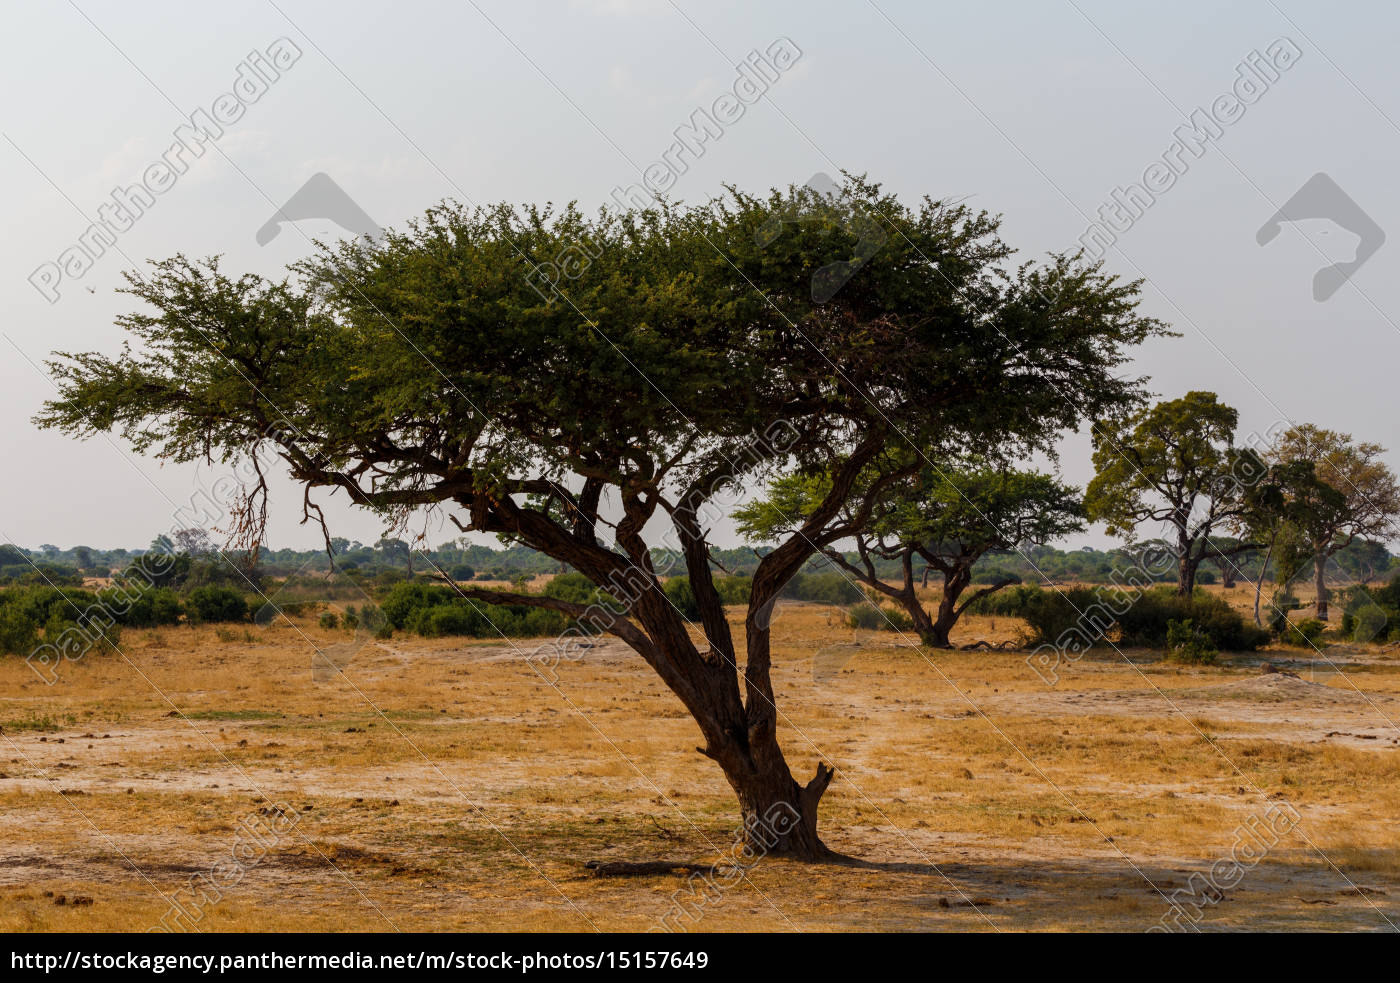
(1038, 111)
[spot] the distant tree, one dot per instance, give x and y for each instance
(194, 542)
(1224, 553)
(1174, 463)
(1371, 494)
(12, 555)
(1278, 510)
(395, 551)
(943, 519)
(49, 550)
(82, 556)
(1364, 560)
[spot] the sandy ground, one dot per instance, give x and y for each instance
(445, 784)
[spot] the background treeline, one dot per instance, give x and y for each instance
(1360, 562)
(389, 586)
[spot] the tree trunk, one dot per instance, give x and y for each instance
(1320, 582)
(779, 815)
(1185, 573)
(954, 584)
(1227, 574)
(1259, 584)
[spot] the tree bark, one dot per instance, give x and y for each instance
(1186, 565)
(1320, 583)
(779, 814)
(1259, 584)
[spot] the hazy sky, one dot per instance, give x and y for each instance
(1038, 111)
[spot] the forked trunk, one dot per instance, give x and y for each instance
(779, 815)
(932, 633)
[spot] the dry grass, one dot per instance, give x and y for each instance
(442, 784)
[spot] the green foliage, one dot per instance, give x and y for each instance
(578, 589)
(435, 611)
(680, 594)
(1304, 634)
(1368, 614)
(1131, 618)
(1053, 615)
(1147, 616)
(329, 619)
(149, 608)
(213, 604)
(823, 588)
(870, 616)
(1009, 602)
(1151, 461)
(1189, 644)
(18, 633)
(734, 590)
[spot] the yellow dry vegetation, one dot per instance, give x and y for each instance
(445, 784)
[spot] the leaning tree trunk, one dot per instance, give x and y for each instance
(1320, 583)
(779, 814)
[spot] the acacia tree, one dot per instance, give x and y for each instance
(676, 355)
(1174, 463)
(944, 519)
(1370, 496)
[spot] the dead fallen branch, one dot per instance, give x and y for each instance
(647, 868)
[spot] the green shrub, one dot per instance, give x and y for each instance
(210, 604)
(823, 588)
(1304, 634)
(578, 589)
(1077, 612)
(1187, 643)
(448, 619)
(403, 600)
(1008, 602)
(1364, 619)
(1082, 616)
(18, 633)
(679, 593)
(1145, 621)
(865, 616)
(329, 619)
(869, 616)
(734, 590)
(152, 608)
